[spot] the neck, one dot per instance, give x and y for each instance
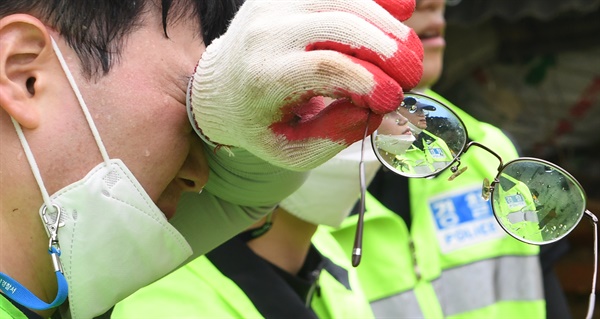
(287, 243)
(24, 255)
(23, 238)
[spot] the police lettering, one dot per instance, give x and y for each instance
(468, 233)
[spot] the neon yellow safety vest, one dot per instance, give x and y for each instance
(456, 262)
(341, 302)
(434, 156)
(437, 152)
(8, 310)
(200, 290)
(517, 210)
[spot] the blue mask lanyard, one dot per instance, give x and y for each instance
(21, 295)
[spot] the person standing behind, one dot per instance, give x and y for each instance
(431, 247)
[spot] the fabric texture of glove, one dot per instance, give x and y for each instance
(260, 85)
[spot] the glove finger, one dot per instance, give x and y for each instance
(384, 14)
(346, 33)
(341, 122)
(399, 9)
(303, 75)
(360, 28)
(364, 93)
(376, 11)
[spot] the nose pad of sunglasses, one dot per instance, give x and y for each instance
(456, 172)
(486, 189)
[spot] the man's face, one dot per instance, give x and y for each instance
(429, 23)
(394, 123)
(418, 118)
(139, 109)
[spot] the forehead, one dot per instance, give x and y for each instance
(175, 31)
(156, 64)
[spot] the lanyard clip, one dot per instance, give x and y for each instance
(53, 244)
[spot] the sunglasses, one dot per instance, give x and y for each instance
(533, 200)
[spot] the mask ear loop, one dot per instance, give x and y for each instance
(84, 108)
(31, 159)
(33, 165)
(11, 287)
(357, 250)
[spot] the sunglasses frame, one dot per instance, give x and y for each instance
(487, 188)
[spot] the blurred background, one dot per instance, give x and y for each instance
(532, 68)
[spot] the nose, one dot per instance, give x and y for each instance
(401, 120)
(194, 171)
(435, 18)
(439, 21)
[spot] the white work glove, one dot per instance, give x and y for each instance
(258, 87)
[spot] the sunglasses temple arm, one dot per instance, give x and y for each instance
(357, 249)
(592, 301)
(473, 143)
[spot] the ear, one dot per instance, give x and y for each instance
(25, 54)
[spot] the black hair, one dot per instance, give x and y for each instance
(96, 29)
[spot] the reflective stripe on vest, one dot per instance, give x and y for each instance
(402, 305)
(460, 289)
(503, 271)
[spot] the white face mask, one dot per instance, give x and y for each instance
(113, 238)
(395, 144)
(332, 189)
(414, 129)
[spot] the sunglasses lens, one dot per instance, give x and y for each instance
(414, 145)
(537, 202)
